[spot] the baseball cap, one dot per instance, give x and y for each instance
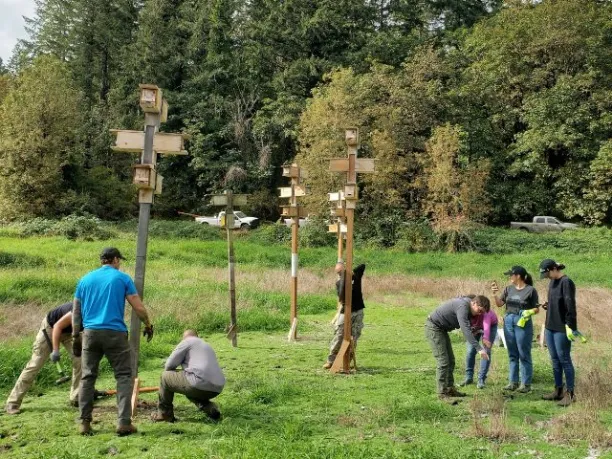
(547, 265)
(517, 270)
(109, 253)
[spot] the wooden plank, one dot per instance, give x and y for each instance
(285, 192)
(163, 143)
(333, 228)
(362, 165)
(335, 197)
(240, 200)
(135, 396)
(218, 200)
(293, 211)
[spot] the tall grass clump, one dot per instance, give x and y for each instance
(72, 227)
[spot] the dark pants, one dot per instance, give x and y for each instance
(470, 358)
(443, 352)
(115, 346)
(560, 350)
(175, 382)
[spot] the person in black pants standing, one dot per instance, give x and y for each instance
(560, 329)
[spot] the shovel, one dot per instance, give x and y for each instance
(63, 377)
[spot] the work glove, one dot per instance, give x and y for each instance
(573, 334)
(77, 346)
(148, 332)
(55, 356)
(525, 316)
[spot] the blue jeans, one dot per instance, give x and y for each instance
(470, 359)
(560, 349)
(518, 341)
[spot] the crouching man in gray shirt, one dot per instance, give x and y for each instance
(451, 315)
(201, 378)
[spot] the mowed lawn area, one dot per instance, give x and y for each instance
(278, 401)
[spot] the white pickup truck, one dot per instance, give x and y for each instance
(541, 224)
(240, 220)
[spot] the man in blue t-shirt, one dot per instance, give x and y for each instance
(99, 306)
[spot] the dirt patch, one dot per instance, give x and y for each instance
(17, 320)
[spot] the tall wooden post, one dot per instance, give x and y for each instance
(294, 211)
(351, 166)
(229, 200)
(148, 144)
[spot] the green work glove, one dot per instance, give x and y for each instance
(573, 334)
(525, 316)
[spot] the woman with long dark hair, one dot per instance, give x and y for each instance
(521, 300)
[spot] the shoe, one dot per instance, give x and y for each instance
(524, 389)
(466, 382)
(327, 365)
(158, 416)
(123, 431)
(12, 409)
(568, 399)
(481, 384)
(452, 392)
(511, 386)
(85, 428)
(211, 409)
(557, 394)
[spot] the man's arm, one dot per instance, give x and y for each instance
(77, 319)
(569, 298)
(466, 328)
(64, 322)
(177, 357)
(139, 308)
(358, 271)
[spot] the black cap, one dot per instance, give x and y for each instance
(110, 253)
(547, 265)
(518, 270)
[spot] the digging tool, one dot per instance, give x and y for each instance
(109, 393)
(63, 377)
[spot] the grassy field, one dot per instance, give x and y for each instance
(278, 402)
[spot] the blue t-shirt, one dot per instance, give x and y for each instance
(102, 295)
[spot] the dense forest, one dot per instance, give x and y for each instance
(476, 110)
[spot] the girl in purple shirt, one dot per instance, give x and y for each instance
(483, 326)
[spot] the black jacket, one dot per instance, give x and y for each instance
(357, 298)
(561, 305)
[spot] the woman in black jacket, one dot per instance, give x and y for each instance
(561, 327)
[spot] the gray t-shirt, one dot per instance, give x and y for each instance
(517, 300)
(455, 314)
(199, 363)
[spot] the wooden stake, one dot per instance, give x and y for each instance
(229, 224)
(135, 391)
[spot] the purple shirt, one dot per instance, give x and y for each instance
(483, 323)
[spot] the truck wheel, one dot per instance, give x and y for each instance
(244, 226)
(522, 228)
(205, 223)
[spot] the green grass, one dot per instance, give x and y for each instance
(278, 402)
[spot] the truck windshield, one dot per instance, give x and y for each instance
(239, 214)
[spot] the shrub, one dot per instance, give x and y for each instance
(315, 234)
(72, 227)
(417, 236)
(277, 233)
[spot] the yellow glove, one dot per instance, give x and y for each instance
(525, 316)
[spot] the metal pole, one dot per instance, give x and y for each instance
(151, 123)
(229, 225)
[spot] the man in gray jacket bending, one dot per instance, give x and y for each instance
(451, 315)
(200, 380)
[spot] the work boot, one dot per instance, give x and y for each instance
(557, 394)
(158, 416)
(466, 382)
(481, 384)
(327, 365)
(452, 392)
(568, 398)
(524, 389)
(125, 430)
(85, 428)
(211, 409)
(511, 386)
(12, 409)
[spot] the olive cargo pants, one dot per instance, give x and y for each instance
(443, 352)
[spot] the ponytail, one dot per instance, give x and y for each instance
(529, 280)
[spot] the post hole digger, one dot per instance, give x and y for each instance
(63, 376)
